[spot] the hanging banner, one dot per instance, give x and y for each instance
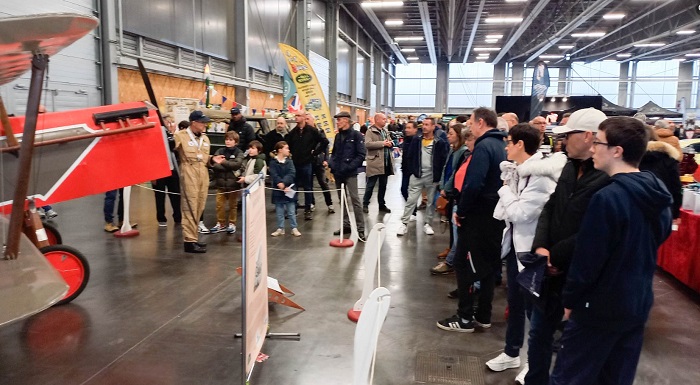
(540, 84)
(308, 88)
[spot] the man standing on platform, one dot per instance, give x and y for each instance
(608, 292)
(242, 127)
(193, 147)
(305, 143)
(348, 154)
(380, 163)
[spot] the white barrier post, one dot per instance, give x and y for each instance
(342, 242)
(126, 230)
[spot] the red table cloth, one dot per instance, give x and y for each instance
(680, 254)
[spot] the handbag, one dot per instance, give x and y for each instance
(441, 205)
(533, 278)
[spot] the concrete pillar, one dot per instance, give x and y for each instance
(623, 84)
(516, 88)
(241, 49)
(564, 78)
(633, 85)
(302, 26)
(108, 49)
(499, 81)
(442, 86)
(685, 82)
(378, 57)
(332, 50)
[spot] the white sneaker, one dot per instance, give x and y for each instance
(428, 229)
(503, 362)
(278, 232)
(231, 228)
(403, 229)
(217, 228)
(202, 228)
(295, 232)
(412, 218)
(520, 379)
(51, 214)
(162, 224)
(313, 207)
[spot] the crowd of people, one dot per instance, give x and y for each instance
(592, 201)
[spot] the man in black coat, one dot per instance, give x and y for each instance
(305, 143)
(556, 232)
(348, 154)
(479, 233)
(242, 127)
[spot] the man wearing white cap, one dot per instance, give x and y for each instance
(556, 232)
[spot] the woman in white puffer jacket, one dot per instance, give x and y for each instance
(529, 179)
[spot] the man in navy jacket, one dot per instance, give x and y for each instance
(608, 292)
(348, 154)
(478, 252)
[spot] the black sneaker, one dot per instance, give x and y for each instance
(346, 231)
(455, 324)
(482, 325)
(308, 216)
(384, 209)
(361, 236)
(365, 209)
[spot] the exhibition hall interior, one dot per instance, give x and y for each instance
(161, 162)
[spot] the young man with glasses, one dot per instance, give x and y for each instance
(608, 293)
(556, 232)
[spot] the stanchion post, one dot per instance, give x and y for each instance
(342, 242)
(126, 230)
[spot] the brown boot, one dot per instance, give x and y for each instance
(443, 255)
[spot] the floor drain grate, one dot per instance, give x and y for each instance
(452, 369)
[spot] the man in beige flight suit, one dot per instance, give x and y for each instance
(193, 147)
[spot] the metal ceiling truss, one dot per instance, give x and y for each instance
(524, 25)
(427, 29)
(475, 26)
(382, 31)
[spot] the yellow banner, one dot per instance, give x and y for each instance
(309, 89)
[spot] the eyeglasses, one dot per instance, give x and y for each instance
(595, 142)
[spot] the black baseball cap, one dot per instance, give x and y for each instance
(198, 116)
(235, 111)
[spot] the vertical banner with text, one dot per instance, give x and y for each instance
(256, 272)
(308, 88)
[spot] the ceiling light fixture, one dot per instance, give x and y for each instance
(478, 49)
(553, 99)
(614, 16)
(491, 41)
(516, 1)
(645, 45)
(408, 50)
(494, 36)
(503, 20)
(685, 32)
(484, 54)
(408, 38)
(624, 55)
(551, 56)
(588, 34)
(381, 4)
(391, 23)
(565, 99)
(692, 55)
(412, 58)
(566, 46)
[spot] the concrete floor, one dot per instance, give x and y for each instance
(152, 314)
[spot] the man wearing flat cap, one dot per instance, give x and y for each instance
(242, 127)
(193, 147)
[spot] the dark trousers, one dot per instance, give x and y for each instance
(596, 356)
(172, 185)
(304, 181)
(369, 189)
(517, 308)
(405, 178)
(320, 173)
(479, 236)
(539, 353)
(108, 208)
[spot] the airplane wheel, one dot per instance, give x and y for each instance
(54, 237)
(73, 267)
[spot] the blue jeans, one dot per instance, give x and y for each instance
(539, 353)
(450, 260)
(108, 208)
(290, 208)
(517, 308)
(305, 181)
(597, 356)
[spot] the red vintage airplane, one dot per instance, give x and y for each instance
(58, 156)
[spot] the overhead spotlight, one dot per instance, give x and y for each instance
(565, 99)
(541, 99)
(553, 99)
(381, 4)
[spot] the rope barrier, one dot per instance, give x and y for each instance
(218, 193)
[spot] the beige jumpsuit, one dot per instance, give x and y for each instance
(194, 179)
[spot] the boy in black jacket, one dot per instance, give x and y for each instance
(608, 293)
(226, 174)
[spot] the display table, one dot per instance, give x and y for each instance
(680, 254)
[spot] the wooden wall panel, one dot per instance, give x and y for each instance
(261, 100)
(131, 88)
